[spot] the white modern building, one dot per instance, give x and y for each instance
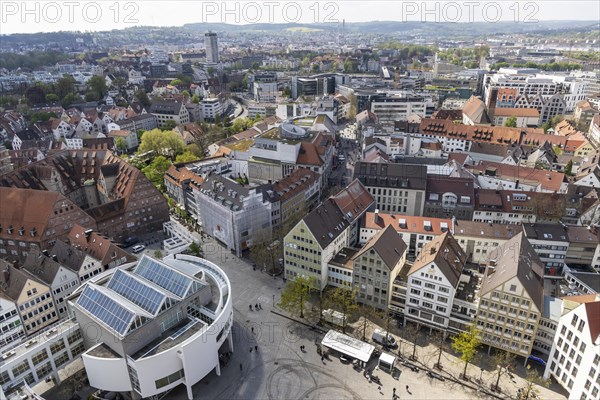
(265, 92)
(211, 108)
(10, 322)
(575, 354)
(41, 356)
(235, 214)
(157, 324)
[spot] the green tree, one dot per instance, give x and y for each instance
(195, 99)
(97, 85)
(569, 167)
(91, 96)
(169, 125)
(315, 68)
(196, 250)
(36, 94)
(68, 99)
(121, 144)
(186, 93)
(142, 97)
(155, 171)
(41, 116)
(186, 157)
(65, 85)
(286, 92)
(176, 82)
(158, 254)
(166, 143)
(296, 293)
(466, 344)
(345, 301)
(51, 98)
(511, 122)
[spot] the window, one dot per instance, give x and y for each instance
(58, 346)
(20, 368)
(39, 357)
(167, 380)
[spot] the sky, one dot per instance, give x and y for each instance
(18, 16)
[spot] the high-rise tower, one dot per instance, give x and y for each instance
(212, 47)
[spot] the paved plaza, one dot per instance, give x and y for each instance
(280, 370)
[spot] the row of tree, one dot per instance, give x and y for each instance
(466, 344)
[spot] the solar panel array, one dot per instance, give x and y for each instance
(137, 292)
(105, 309)
(168, 279)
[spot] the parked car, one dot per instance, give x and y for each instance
(130, 241)
(138, 248)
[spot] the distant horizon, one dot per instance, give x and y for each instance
(92, 16)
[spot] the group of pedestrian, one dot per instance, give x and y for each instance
(302, 347)
(257, 307)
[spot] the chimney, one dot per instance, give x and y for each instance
(88, 232)
(45, 252)
(432, 250)
(55, 257)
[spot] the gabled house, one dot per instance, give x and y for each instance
(320, 235)
(376, 266)
(32, 297)
(511, 298)
(61, 280)
(433, 281)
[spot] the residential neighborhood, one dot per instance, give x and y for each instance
(301, 210)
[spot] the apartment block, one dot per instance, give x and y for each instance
(511, 297)
(433, 281)
(376, 266)
(575, 353)
(397, 188)
(330, 227)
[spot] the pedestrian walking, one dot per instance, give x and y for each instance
(241, 368)
(407, 388)
(260, 306)
(250, 307)
(256, 348)
(252, 329)
(256, 306)
(250, 349)
(394, 392)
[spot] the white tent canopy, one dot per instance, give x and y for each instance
(348, 345)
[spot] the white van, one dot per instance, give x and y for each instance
(383, 338)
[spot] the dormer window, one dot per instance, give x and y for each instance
(10, 229)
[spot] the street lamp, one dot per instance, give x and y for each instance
(273, 300)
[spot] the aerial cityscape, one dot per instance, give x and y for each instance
(300, 200)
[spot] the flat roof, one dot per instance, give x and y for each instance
(387, 358)
(348, 345)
